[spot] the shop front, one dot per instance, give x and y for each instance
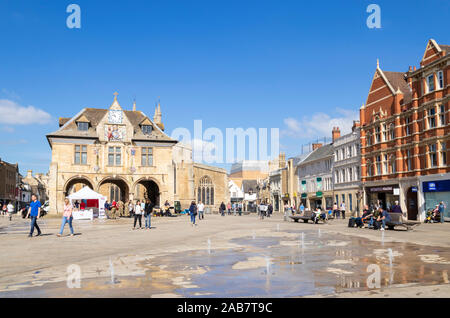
(385, 195)
(436, 192)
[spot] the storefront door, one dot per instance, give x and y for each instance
(411, 203)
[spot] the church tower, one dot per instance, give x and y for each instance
(157, 118)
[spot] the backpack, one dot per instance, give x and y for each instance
(376, 225)
(351, 222)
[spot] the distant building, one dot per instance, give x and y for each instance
(9, 180)
(315, 177)
(37, 184)
(347, 172)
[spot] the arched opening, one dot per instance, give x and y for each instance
(76, 184)
(114, 190)
(147, 189)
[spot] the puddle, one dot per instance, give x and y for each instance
(279, 266)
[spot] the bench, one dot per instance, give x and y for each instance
(397, 220)
(307, 216)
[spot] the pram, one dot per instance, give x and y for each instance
(432, 216)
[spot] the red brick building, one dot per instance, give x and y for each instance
(405, 135)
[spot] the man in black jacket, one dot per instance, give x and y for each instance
(148, 213)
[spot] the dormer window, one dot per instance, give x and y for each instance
(83, 126)
(146, 129)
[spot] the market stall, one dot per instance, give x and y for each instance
(92, 204)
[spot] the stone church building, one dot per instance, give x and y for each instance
(125, 155)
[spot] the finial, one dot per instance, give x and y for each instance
(378, 63)
(134, 105)
(115, 95)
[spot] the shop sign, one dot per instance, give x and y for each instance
(438, 186)
(396, 191)
(304, 195)
(381, 189)
(414, 189)
(319, 194)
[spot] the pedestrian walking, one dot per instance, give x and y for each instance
(229, 208)
(193, 212)
(441, 210)
(201, 209)
(34, 212)
(269, 210)
(148, 213)
(4, 209)
(67, 217)
(222, 209)
(335, 211)
(137, 215)
(10, 209)
(343, 209)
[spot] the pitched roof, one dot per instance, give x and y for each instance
(320, 153)
(397, 81)
(95, 115)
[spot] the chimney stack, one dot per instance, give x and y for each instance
(29, 173)
(336, 133)
(356, 124)
(316, 146)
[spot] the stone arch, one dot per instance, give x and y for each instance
(115, 188)
(72, 184)
(151, 190)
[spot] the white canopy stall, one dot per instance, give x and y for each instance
(87, 193)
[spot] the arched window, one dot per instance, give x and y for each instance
(369, 139)
(392, 165)
(369, 168)
(392, 131)
(206, 189)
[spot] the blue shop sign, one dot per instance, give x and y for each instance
(414, 189)
(436, 186)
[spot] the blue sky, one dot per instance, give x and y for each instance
(284, 64)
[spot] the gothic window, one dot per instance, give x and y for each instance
(392, 131)
(432, 155)
(206, 191)
(392, 165)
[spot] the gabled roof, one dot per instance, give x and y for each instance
(320, 153)
(398, 82)
(95, 115)
(439, 50)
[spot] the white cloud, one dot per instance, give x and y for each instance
(320, 124)
(12, 113)
(7, 129)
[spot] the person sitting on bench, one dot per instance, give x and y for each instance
(383, 217)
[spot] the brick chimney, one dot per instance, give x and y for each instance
(356, 124)
(316, 146)
(336, 133)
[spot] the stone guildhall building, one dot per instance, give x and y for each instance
(125, 155)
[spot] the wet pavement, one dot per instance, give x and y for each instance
(292, 263)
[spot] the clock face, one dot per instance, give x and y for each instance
(115, 116)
